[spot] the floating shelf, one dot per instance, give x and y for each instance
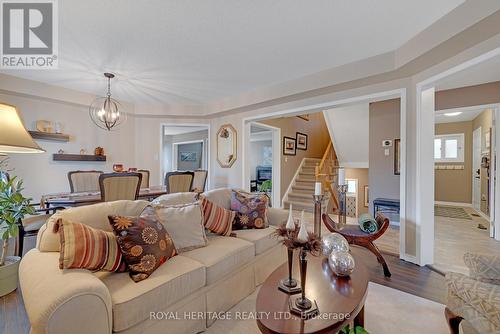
(49, 136)
(78, 157)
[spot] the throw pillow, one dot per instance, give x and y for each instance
(144, 242)
(185, 225)
(251, 210)
(85, 247)
(215, 218)
(176, 199)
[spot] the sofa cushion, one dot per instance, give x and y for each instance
(216, 218)
(176, 198)
(173, 281)
(222, 256)
(251, 210)
(185, 224)
(144, 242)
(263, 239)
(220, 197)
(95, 216)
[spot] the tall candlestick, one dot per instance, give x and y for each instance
(317, 188)
(341, 176)
(302, 236)
(290, 225)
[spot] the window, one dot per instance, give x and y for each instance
(352, 186)
(449, 148)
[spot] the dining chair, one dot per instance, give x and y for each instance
(199, 180)
(178, 182)
(84, 180)
(145, 178)
(119, 186)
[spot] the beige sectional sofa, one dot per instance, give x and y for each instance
(181, 296)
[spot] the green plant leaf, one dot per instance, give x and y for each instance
(5, 235)
(14, 230)
(360, 330)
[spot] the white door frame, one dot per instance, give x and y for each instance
(425, 156)
(476, 196)
(276, 172)
(208, 155)
(382, 95)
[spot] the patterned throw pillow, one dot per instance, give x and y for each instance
(88, 248)
(251, 210)
(144, 242)
(215, 218)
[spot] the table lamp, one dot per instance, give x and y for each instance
(14, 138)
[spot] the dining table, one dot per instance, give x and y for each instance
(68, 199)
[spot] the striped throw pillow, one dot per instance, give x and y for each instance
(216, 218)
(88, 248)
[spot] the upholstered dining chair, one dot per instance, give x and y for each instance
(145, 178)
(199, 180)
(119, 186)
(179, 182)
(84, 180)
(356, 236)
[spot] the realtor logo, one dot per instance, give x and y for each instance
(29, 34)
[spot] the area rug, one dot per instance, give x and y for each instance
(451, 212)
(387, 311)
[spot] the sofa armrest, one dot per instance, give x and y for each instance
(63, 301)
(483, 267)
(277, 216)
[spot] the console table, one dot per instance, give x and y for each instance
(334, 296)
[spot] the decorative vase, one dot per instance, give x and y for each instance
(302, 305)
(289, 284)
(334, 242)
(118, 168)
(9, 275)
(342, 263)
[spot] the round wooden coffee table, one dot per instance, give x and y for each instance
(336, 297)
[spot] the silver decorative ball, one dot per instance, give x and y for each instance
(334, 242)
(342, 263)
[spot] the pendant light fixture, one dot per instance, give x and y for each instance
(105, 111)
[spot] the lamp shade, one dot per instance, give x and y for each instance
(13, 135)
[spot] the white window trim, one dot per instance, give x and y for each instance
(460, 150)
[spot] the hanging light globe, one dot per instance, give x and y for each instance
(106, 112)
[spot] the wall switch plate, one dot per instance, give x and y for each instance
(386, 143)
(386, 152)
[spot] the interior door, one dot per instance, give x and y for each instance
(476, 169)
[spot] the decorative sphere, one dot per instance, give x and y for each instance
(334, 242)
(342, 263)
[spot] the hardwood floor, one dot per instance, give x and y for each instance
(407, 277)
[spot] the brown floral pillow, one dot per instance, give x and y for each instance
(144, 242)
(251, 210)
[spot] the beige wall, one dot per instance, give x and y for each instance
(468, 96)
(484, 121)
(318, 139)
(384, 124)
(455, 185)
(361, 174)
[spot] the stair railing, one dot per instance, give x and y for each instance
(326, 172)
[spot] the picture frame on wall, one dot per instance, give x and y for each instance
(397, 156)
(289, 146)
(301, 141)
(367, 199)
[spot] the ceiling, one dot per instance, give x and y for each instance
(467, 114)
(178, 130)
(487, 71)
(190, 53)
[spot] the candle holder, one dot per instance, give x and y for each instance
(301, 305)
(318, 200)
(289, 285)
(342, 189)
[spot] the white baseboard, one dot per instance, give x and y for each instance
(466, 205)
(409, 258)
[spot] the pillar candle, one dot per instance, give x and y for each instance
(317, 188)
(290, 225)
(302, 236)
(341, 176)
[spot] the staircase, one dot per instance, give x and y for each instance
(301, 192)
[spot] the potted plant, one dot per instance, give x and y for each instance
(13, 207)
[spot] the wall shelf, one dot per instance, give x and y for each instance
(49, 136)
(78, 157)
